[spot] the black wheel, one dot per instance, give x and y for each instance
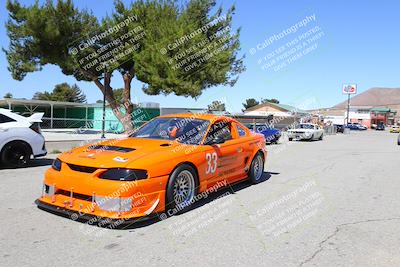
(290, 139)
(16, 154)
(276, 140)
(182, 188)
(256, 169)
(322, 137)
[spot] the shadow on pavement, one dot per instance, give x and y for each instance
(221, 193)
(32, 163)
(143, 222)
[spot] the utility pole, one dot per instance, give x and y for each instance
(348, 109)
(349, 89)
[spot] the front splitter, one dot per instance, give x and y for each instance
(105, 222)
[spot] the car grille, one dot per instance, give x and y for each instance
(85, 169)
(74, 195)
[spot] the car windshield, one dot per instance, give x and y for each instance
(306, 126)
(184, 130)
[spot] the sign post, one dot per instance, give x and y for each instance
(349, 89)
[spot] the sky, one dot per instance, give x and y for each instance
(335, 43)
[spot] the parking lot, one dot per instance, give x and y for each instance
(325, 203)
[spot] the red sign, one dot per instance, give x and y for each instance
(350, 89)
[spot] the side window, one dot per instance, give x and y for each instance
(220, 129)
(240, 130)
(4, 119)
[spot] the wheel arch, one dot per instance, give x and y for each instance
(252, 156)
(256, 152)
(190, 164)
(16, 141)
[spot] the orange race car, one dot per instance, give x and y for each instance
(161, 168)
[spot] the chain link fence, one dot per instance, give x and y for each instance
(68, 123)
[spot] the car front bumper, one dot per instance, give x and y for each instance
(299, 136)
(95, 220)
(93, 197)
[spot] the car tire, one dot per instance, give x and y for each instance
(256, 171)
(16, 154)
(290, 139)
(322, 137)
(176, 200)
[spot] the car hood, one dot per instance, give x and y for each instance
(117, 153)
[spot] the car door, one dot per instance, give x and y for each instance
(244, 149)
(221, 159)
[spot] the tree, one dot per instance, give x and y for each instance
(272, 100)
(42, 96)
(63, 92)
(250, 102)
(8, 95)
(119, 95)
(162, 32)
(67, 93)
(217, 106)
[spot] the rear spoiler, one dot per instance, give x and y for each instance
(37, 117)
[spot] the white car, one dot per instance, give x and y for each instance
(306, 131)
(20, 138)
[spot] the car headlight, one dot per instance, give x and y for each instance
(114, 204)
(124, 174)
(56, 164)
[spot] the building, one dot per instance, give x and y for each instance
(281, 115)
(374, 106)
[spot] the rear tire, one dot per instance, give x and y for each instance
(256, 169)
(16, 154)
(322, 137)
(182, 187)
(290, 139)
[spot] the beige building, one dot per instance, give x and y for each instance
(281, 115)
(370, 107)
